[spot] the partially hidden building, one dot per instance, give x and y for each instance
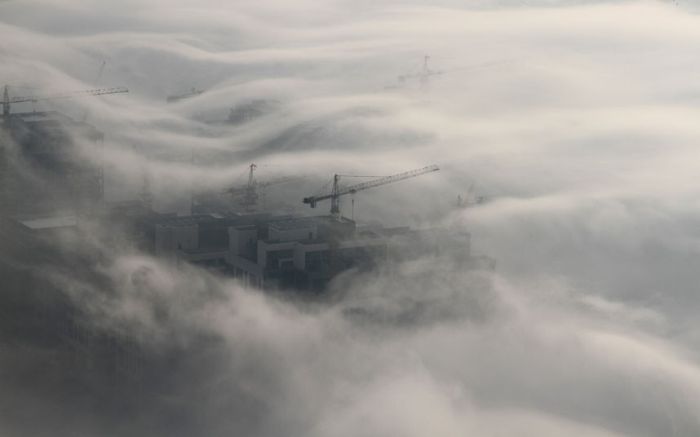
(44, 168)
(285, 251)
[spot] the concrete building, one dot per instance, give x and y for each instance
(43, 170)
(282, 251)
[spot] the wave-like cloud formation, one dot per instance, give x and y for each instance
(578, 122)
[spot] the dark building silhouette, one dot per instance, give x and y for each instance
(44, 170)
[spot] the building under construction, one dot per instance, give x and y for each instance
(44, 171)
(47, 185)
(292, 252)
(41, 169)
(265, 250)
(297, 252)
(48, 182)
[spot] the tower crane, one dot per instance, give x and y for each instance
(424, 75)
(249, 193)
(337, 191)
(100, 71)
(7, 100)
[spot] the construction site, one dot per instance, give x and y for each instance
(52, 194)
(391, 218)
(48, 187)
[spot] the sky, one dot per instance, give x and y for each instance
(576, 119)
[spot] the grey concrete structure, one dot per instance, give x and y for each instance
(281, 251)
(43, 165)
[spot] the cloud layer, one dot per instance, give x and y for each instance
(576, 121)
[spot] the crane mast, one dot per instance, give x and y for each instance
(250, 194)
(337, 191)
(6, 102)
(250, 199)
(424, 75)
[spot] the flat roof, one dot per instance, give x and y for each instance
(55, 222)
(184, 219)
(296, 223)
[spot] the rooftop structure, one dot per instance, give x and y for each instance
(44, 175)
(290, 252)
(177, 97)
(251, 110)
(49, 223)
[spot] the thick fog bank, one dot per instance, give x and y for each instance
(575, 120)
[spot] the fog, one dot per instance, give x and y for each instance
(576, 120)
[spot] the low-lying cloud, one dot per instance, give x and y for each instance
(576, 121)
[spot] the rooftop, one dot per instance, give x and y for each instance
(56, 222)
(294, 223)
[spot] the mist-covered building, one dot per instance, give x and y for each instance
(42, 169)
(284, 251)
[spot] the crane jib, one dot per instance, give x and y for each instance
(95, 92)
(370, 184)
